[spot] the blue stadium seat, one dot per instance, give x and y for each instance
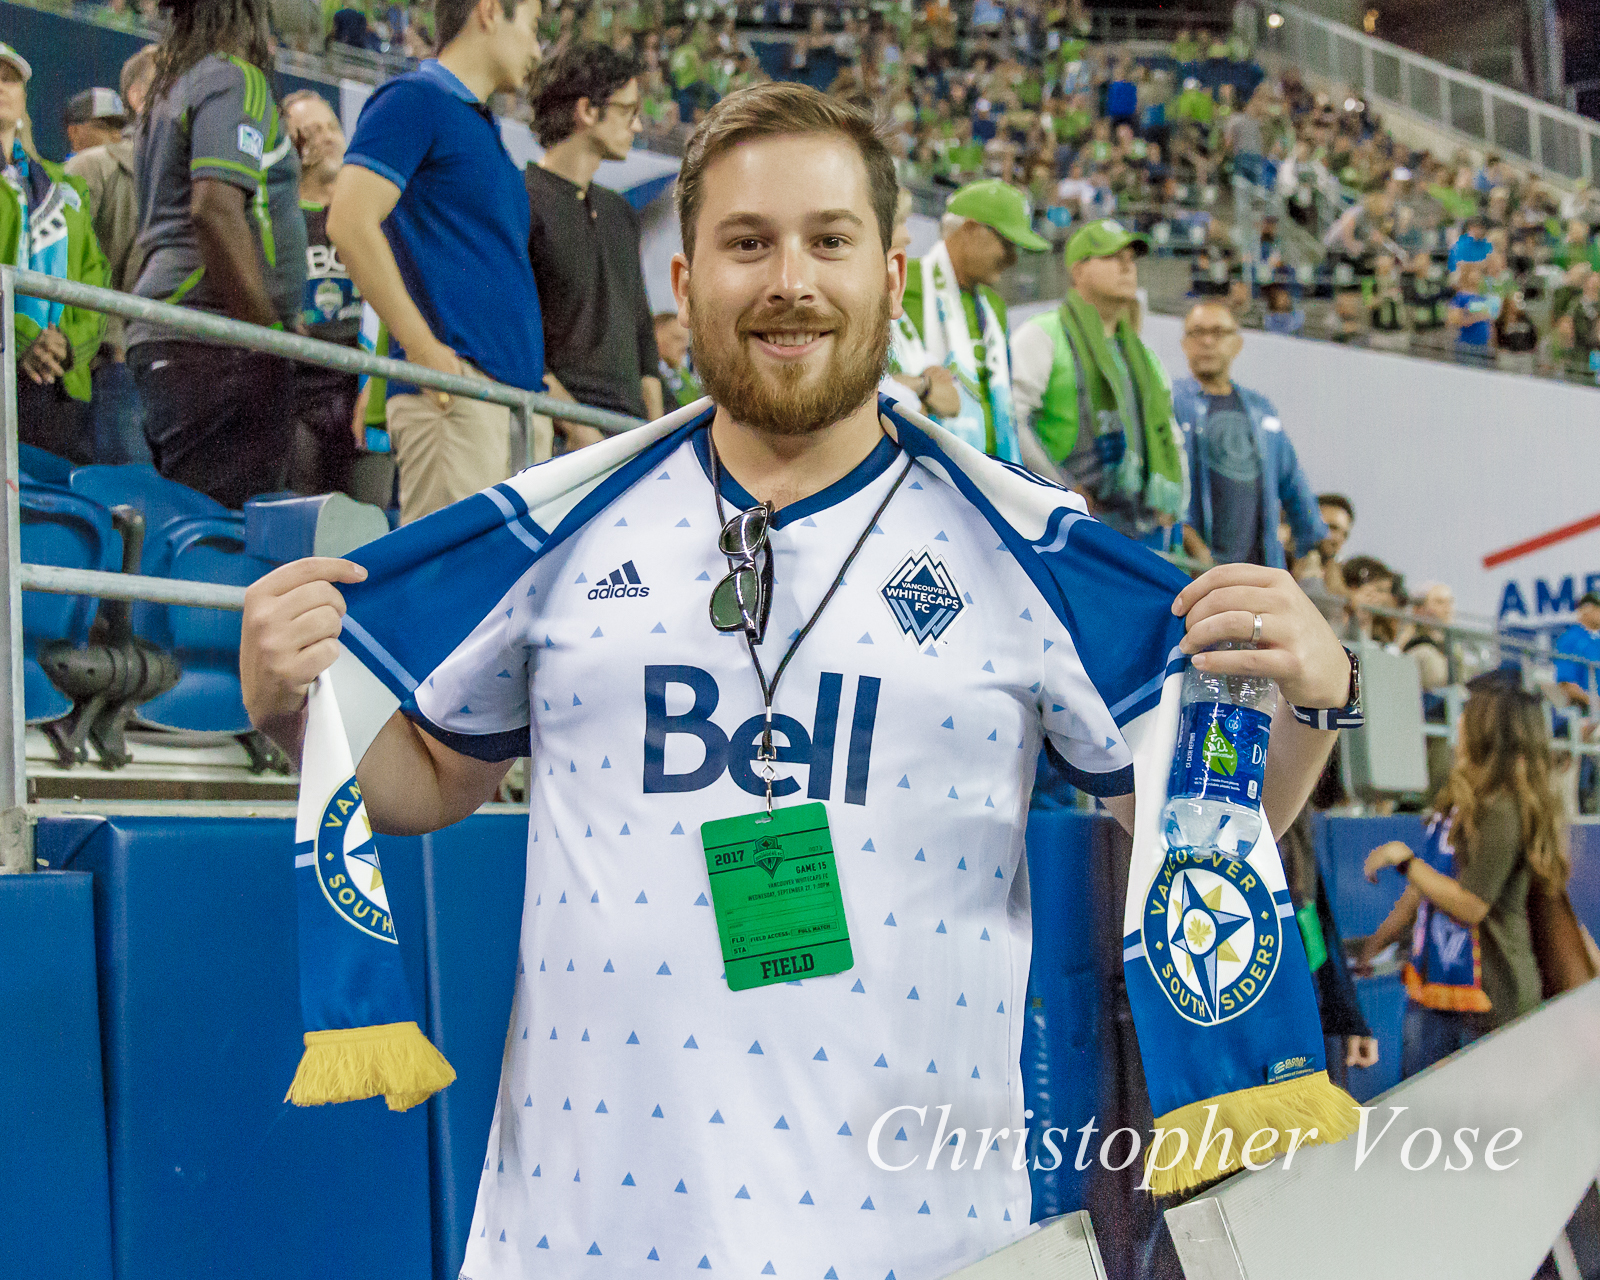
(192, 537)
(41, 465)
(74, 532)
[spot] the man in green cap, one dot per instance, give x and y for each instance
(1093, 402)
(955, 319)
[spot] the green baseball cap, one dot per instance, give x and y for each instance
(1001, 207)
(1102, 238)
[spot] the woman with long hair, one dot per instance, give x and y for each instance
(1495, 835)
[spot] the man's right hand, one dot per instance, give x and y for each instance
(290, 636)
(435, 355)
(45, 360)
(943, 398)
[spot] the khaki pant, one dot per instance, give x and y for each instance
(446, 454)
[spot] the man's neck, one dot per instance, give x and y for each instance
(468, 61)
(1217, 384)
(784, 470)
(1110, 310)
(573, 159)
(315, 188)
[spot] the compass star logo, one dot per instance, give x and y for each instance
(1211, 935)
(347, 864)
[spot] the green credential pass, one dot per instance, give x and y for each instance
(775, 890)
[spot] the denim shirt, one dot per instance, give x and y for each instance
(1282, 479)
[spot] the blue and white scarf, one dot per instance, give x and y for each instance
(42, 237)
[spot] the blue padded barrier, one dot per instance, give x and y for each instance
(40, 465)
(54, 1213)
(212, 1173)
(59, 528)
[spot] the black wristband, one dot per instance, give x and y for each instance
(1348, 716)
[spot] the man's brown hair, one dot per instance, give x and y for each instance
(768, 110)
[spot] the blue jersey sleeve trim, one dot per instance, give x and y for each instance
(1087, 574)
(509, 744)
(378, 167)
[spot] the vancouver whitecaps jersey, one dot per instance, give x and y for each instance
(650, 1121)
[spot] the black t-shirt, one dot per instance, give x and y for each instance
(330, 308)
(599, 339)
(1518, 334)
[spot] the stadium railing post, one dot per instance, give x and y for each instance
(16, 846)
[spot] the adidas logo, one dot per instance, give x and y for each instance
(619, 583)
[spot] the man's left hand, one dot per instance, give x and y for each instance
(1297, 647)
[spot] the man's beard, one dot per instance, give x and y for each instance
(791, 402)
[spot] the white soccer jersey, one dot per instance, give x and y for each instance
(650, 1121)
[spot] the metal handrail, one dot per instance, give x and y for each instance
(55, 580)
(253, 337)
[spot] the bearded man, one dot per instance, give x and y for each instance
(784, 669)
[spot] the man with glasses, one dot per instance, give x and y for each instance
(1094, 400)
(784, 669)
(599, 337)
(1242, 464)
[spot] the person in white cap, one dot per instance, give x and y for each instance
(55, 343)
(93, 118)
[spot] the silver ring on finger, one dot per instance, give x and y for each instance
(1255, 631)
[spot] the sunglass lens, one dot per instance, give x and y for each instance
(725, 612)
(745, 534)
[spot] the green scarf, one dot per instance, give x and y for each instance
(1161, 483)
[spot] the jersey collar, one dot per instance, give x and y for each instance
(444, 78)
(868, 470)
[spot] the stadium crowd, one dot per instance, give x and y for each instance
(205, 191)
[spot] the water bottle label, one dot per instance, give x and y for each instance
(1222, 753)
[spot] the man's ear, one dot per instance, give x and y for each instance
(680, 287)
(486, 12)
(585, 113)
(898, 268)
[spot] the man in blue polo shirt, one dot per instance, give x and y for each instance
(430, 217)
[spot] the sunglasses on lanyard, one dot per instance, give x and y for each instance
(743, 599)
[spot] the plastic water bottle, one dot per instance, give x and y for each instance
(1214, 794)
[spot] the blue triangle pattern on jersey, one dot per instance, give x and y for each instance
(627, 1180)
(961, 1000)
(504, 675)
(620, 524)
(1002, 1007)
(844, 1130)
(1008, 1215)
(703, 576)
(465, 709)
(633, 1038)
(705, 1263)
(988, 802)
(881, 1062)
(831, 1274)
(579, 578)
(690, 1044)
(608, 968)
(567, 1105)
(782, 1123)
(939, 537)
(924, 1208)
(682, 524)
(569, 966)
(962, 865)
(901, 1135)
(716, 1118)
(932, 1070)
(890, 920)
(741, 1194)
(972, 1212)
(866, 638)
(524, 1033)
(905, 781)
(949, 723)
(597, 634)
(941, 928)
(756, 1048)
(867, 848)
(681, 1188)
(1048, 644)
(994, 735)
(915, 484)
(544, 1243)
(535, 1167)
(701, 901)
(930, 651)
(595, 896)
(999, 874)
(653, 1256)
(640, 898)
(989, 666)
(658, 630)
(1026, 616)
(768, 1271)
(677, 829)
(952, 795)
(553, 1033)
(867, 1203)
(858, 989)
(921, 856)
(663, 971)
(975, 1074)
(563, 897)
(808, 523)
(594, 1251)
(913, 995)
(984, 936)
(601, 1109)
(821, 1055)
(502, 1237)
(656, 1114)
(806, 1199)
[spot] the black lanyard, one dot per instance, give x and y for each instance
(766, 753)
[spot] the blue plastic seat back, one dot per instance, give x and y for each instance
(59, 528)
(41, 465)
(192, 537)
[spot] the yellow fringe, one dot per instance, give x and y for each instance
(1435, 995)
(395, 1059)
(1306, 1103)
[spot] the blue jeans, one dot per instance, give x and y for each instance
(118, 416)
(1428, 1035)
